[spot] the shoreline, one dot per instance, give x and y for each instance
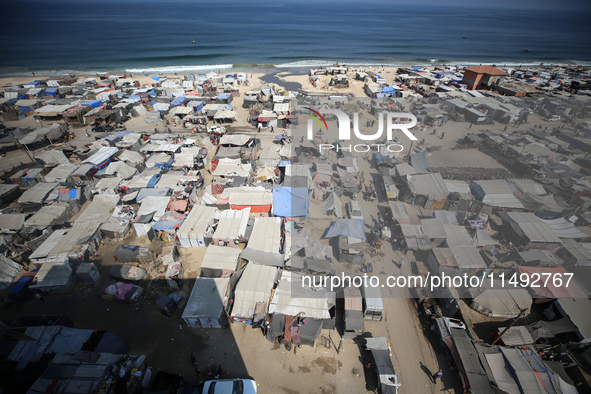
(257, 68)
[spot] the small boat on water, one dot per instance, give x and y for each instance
(463, 37)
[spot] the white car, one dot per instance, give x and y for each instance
(553, 118)
(230, 386)
(355, 210)
(216, 129)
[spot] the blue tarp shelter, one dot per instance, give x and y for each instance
(51, 91)
(290, 201)
(388, 89)
(169, 221)
(93, 103)
(348, 227)
(118, 135)
(178, 101)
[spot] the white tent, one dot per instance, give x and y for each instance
(255, 285)
(196, 226)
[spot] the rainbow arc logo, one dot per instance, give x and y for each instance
(317, 115)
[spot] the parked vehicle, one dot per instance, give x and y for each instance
(355, 210)
(127, 273)
(553, 118)
(216, 129)
(230, 386)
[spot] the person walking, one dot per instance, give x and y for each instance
(437, 375)
(442, 134)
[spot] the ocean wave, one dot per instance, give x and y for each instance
(180, 69)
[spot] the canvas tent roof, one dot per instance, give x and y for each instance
(245, 196)
(577, 310)
(99, 210)
(255, 285)
(102, 155)
(292, 298)
(430, 185)
(505, 303)
(534, 202)
(37, 193)
(580, 251)
(531, 226)
(197, 223)
(220, 258)
(48, 215)
(8, 271)
(565, 229)
(552, 289)
(333, 203)
(12, 221)
(234, 139)
(232, 224)
(207, 298)
(348, 227)
(154, 204)
(496, 193)
(266, 234)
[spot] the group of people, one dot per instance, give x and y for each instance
(211, 373)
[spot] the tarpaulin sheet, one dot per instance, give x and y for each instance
(290, 201)
(348, 227)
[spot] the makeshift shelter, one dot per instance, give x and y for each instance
(231, 227)
(61, 173)
(348, 227)
(290, 201)
(530, 226)
(197, 226)
(206, 305)
(254, 286)
(332, 204)
(154, 204)
(265, 242)
(55, 277)
(49, 215)
(11, 223)
(258, 199)
(380, 351)
(8, 271)
(219, 262)
(33, 198)
(552, 289)
(501, 302)
(496, 193)
(293, 296)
